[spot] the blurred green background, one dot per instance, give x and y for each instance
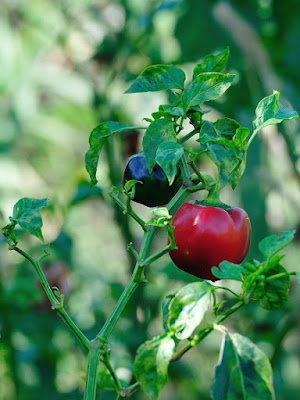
(63, 68)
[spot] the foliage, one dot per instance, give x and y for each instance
(62, 76)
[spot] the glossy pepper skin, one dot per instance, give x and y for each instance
(207, 235)
(155, 189)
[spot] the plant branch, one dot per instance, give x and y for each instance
(189, 135)
(129, 391)
(136, 280)
(56, 304)
(92, 372)
(106, 362)
(129, 211)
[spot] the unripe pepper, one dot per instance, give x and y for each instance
(207, 235)
(155, 189)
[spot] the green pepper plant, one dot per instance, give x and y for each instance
(207, 238)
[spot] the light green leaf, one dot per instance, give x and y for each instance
(212, 63)
(161, 212)
(205, 87)
(228, 270)
(167, 156)
(187, 308)
(130, 184)
(97, 139)
(151, 364)
(26, 214)
(273, 244)
(270, 112)
(244, 372)
(159, 131)
(158, 77)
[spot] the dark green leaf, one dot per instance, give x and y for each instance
(226, 151)
(97, 139)
(276, 290)
(176, 111)
(269, 112)
(250, 281)
(244, 372)
(162, 114)
(159, 131)
(158, 77)
(167, 156)
(212, 63)
(273, 244)
(187, 308)
(228, 270)
(26, 214)
(226, 127)
(205, 87)
(151, 364)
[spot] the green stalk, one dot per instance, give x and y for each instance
(92, 372)
(136, 279)
(56, 304)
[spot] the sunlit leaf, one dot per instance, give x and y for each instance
(158, 77)
(151, 364)
(273, 244)
(213, 63)
(269, 112)
(188, 307)
(205, 87)
(244, 372)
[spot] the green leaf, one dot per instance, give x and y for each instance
(298, 276)
(162, 212)
(165, 310)
(226, 127)
(240, 137)
(175, 111)
(228, 270)
(159, 131)
(130, 184)
(158, 77)
(187, 308)
(162, 217)
(167, 156)
(205, 87)
(212, 63)
(226, 148)
(97, 139)
(269, 112)
(273, 244)
(151, 364)
(244, 372)
(26, 214)
(276, 290)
